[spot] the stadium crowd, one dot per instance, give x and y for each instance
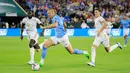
(77, 13)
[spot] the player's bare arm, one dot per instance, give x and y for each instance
(51, 25)
(41, 34)
(103, 27)
(22, 28)
(65, 26)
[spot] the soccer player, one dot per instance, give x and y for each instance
(30, 24)
(125, 22)
(60, 37)
(100, 37)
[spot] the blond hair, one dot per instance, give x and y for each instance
(52, 10)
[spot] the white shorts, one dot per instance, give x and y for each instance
(63, 40)
(126, 31)
(102, 38)
(33, 35)
(107, 31)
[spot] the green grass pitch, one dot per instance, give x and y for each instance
(14, 55)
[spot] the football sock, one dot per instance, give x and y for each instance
(44, 51)
(126, 40)
(32, 54)
(77, 51)
(41, 45)
(93, 54)
(113, 47)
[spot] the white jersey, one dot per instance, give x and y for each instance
(31, 24)
(102, 38)
(98, 23)
(109, 26)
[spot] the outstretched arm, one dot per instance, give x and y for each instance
(51, 25)
(42, 33)
(65, 26)
(103, 27)
(21, 35)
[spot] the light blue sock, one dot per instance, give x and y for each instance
(126, 40)
(77, 51)
(44, 51)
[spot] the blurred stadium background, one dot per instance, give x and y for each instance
(15, 53)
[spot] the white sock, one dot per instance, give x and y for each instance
(42, 61)
(32, 54)
(113, 47)
(93, 54)
(41, 45)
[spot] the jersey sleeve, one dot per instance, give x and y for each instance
(38, 21)
(101, 19)
(23, 21)
(55, 19)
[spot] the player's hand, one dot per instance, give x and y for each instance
(44, 27)
(21, 37)
(98, 32)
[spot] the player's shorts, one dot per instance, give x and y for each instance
(107, 31)
(102, 38)
(63, 40)
(126, 31)
(32, 35)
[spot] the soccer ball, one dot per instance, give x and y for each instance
(35, 67)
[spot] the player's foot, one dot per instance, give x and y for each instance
(91, 64)
(119, 45)
(86, 54)
(40, 64)
(125, 46)
(30, 62)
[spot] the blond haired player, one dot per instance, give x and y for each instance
(60, 36)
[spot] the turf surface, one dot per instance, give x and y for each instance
(14, 55)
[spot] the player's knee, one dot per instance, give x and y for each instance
(71, 52)
(107, 49)
(37, 46)
(45, 45)
(32, 42)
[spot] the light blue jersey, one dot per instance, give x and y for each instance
(59, 30)
(125, 23)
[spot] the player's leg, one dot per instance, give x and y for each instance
(65, 42)
(36, 45)
(126, 33)
(107, 46)
(33, 36)
(76, 51)
(48, 43)
(96, 43)
(31, 51)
